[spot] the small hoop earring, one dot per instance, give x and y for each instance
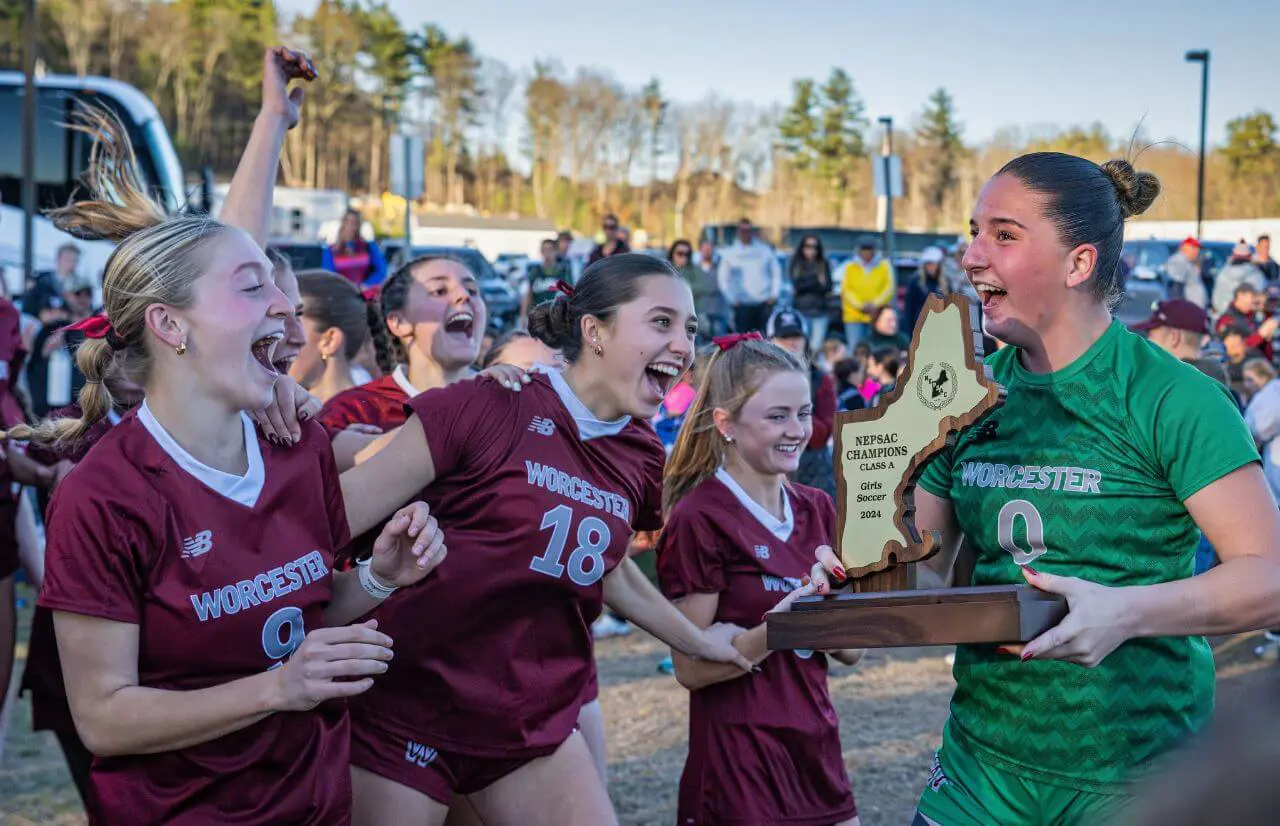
(598, 349)
(181, 349)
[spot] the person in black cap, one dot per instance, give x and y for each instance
(790, 330)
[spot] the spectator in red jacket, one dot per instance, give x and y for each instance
(1248, 315)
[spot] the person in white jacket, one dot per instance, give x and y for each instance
(1263, 417)
(750, 279)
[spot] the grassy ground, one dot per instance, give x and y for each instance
(892, 706)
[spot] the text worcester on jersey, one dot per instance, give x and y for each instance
(1030, 477)
(578, 490)
(266, 586)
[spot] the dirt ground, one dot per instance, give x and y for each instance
(892, 706)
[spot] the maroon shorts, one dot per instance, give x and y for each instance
(437, 773)
(9, 563)
(42, 678)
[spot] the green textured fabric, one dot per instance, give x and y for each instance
(964, 791)
(1083, 473)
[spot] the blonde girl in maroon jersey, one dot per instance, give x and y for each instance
(183, 715)
(764, 747)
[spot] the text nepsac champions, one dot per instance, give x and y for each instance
(876, 446)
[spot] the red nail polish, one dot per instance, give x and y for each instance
(1026, 655)
(839, 572)
(1033, 571)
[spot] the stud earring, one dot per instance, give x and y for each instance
(728, 440)
(181, 349)
(598, 349)
(324, 356)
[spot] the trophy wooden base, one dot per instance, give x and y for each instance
(1006, 614)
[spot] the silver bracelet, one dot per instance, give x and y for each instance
(370, 583)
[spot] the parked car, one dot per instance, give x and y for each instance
(499, 297)
(1140, 297)
(508, 262)
(1149, 257)
(303, 255)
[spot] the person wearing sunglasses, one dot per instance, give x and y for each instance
(613, 243)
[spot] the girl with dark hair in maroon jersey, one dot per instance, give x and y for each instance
(540, 492)
(189, 560)
(427, 328)
(764, 747)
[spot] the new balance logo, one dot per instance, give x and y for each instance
(197, 545)
(762, 552)
(419, 754)
(541, 426)
(987, 431)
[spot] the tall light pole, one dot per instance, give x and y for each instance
(1201, 57)
(886, 152)
(29, 142)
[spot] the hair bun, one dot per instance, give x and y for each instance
(551, 322)
(1137, 190)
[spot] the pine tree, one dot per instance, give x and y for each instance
(942, 152)
(798, 130)
(840, 142)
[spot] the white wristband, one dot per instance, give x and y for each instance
(370, 583)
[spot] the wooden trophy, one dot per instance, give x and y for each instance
(880, 453)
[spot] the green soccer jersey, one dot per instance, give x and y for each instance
(1083, 473)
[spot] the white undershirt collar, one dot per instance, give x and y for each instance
(401, 377)
(781, 528)
(589, 427)
(243, 489)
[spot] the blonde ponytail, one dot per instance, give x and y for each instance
(732, 377)
(698, 451)
(94, 358)
(119, 205)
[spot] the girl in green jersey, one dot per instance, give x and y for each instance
(1094, 480)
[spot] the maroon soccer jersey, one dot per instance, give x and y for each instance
(223, 576)
(12, 357)
(538, 501)
(765, 747)
(42, 674)
(380, 402)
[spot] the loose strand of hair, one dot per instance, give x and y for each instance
(118, 204)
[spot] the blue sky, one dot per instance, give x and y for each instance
(1006, 64)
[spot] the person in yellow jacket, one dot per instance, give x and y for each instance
(867, 284)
